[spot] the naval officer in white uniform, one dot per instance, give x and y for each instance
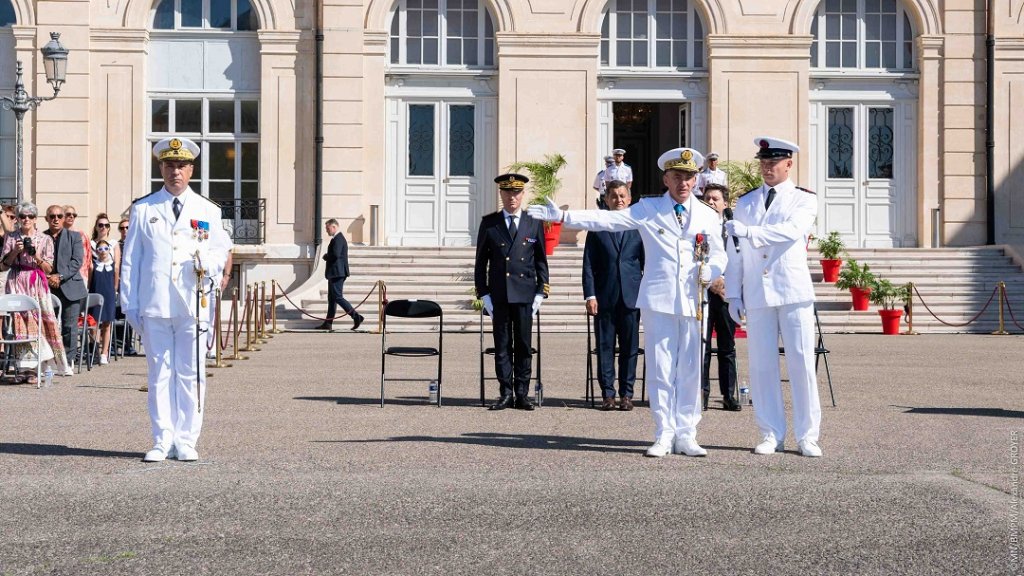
(769, 279)
(669, 226)
(171, 233)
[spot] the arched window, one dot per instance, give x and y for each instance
(449, 33)
(7, 15)
(204, 84)
(862, 34)
(7, 122)
(652, 34)
(205, 15)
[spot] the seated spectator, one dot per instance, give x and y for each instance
(28, 255)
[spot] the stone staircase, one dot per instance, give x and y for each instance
(954, 282)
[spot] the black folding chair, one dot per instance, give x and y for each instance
(820, 353)
(489, 351)
(89, 337)
(411, 309)
(592, 377)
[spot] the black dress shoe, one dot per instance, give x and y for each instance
(502, 403)
(324, 326)
(357, 321)
(525, 404)
(731, 406)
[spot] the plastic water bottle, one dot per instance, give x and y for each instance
(745, 394)
(48, 377)
(432, 390)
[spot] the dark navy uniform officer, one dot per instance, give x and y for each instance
(511, 277)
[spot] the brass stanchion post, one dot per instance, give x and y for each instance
(910, 311)
(218, 361)
(264, 333)
(273, 308)
(250, 344)
(381, 288)
(236, 329)
(1001, 287)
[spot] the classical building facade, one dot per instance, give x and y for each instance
(425, 100)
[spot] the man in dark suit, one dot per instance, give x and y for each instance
(511, 277)
(336, 273)
(66, 279)
(613, 265)
(717, 196)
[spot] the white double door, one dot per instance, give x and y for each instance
(442, 153)
(864, 166)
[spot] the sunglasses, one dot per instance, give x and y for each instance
(103, 249)
(122, 228)
(54, 216)
(101, 225)
(71, 215)
(27, 216)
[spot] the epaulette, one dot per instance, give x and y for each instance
(218, 206)
(806, 190)
(144, 197)
(742, 194)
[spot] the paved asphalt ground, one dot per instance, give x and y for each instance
(302, 472)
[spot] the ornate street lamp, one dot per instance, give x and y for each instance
(55, 61)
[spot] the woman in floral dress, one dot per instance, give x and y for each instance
(28, 276)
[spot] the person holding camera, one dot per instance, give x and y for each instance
(28, 255)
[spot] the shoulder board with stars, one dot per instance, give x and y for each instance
(806, 190)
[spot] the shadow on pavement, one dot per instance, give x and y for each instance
(61, 450)
(518, 441)
(993, 412)
(445, 401)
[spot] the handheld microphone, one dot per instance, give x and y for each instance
(727, 214)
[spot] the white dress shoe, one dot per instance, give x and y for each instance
(157, 454)
(659, 449)
(810, 448)
(187, 454)
(768, 446)
(689, 447)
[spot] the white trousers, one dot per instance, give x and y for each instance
(672, 346)
(171, 354)
(796, 324)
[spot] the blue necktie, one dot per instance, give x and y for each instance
(679, 213)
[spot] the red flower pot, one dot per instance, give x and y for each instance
(860, 298)
(891, 321)
(552, 231)
(830, 269)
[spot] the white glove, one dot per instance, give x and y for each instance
(488, 305)
(536, 302)
(737, 229)
(705, 276)
(549, 212)
(134, 320)
(736, 310)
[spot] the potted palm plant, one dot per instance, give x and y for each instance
(887, 295)
(545, 184)
(858, 279)
(743, 177)
(830, 247)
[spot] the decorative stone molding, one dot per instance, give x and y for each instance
(118, 40)
(787, 47)
(548, 45)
